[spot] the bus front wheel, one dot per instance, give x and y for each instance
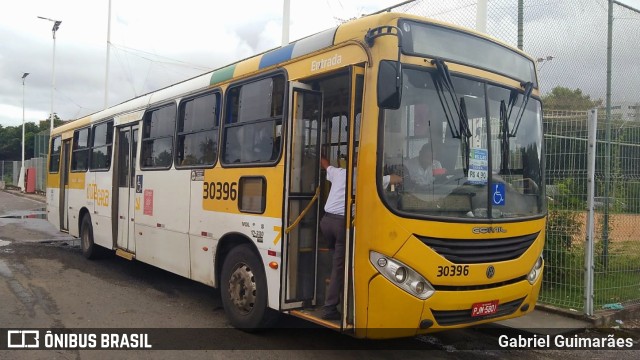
(243, 290)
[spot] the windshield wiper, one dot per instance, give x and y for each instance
(464, 126)
(505, 117)
(528, 87)
(443, 82)
(504, 137)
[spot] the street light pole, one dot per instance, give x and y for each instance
(21, 178)
(56, 26)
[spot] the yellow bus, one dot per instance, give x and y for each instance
(219, 179)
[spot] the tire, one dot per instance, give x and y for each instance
(243, 289)
(89, 249)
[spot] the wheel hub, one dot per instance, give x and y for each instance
(242, 288)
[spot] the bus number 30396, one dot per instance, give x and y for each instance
(220, 190)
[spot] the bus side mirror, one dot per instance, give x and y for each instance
(389, 85)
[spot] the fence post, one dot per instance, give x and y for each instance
(589, 269)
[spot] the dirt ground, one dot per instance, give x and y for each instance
(623, 227)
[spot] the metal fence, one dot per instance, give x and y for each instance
(569, 39)
(616, 237)
(10, 170)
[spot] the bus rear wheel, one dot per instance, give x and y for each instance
(243, 290)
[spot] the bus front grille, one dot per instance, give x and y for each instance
(456, 317)
(480, 251)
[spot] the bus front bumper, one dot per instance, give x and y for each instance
(393, 312)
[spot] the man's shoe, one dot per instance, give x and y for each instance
(331, 315)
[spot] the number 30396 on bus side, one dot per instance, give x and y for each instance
(220, 190)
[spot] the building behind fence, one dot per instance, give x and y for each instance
(569, 40)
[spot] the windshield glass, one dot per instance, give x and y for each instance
(448, 171)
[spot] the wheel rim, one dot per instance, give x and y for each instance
(242, 288)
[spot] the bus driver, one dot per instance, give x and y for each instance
(423, 167)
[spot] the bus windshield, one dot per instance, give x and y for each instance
(480, 165)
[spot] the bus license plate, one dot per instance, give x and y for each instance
(484, 308)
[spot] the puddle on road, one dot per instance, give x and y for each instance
(39, 213)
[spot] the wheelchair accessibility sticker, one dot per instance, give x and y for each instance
(498, 194)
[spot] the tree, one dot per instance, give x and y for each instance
(562, 98)
(11, 138)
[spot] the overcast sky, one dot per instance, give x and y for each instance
(154, 44)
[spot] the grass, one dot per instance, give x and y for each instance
(618, 282)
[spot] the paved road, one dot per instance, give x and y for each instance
(46, 283)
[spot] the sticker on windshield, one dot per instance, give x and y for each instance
(478, 166)
(498, 194)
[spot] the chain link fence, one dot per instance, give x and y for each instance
(9, 172)
(569, 40)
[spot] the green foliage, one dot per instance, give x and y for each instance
(562, 98)
(11, 139)
(562, 225)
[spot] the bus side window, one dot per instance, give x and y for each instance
(254, 115)
(80, 153)
(101, 146)
(252, 192)
(54, 157)
(157, 137)
(198, 131)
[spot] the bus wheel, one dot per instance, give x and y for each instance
(89, 248)
(243, 290)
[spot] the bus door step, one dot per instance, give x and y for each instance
(125, 254)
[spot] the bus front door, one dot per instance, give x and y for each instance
(300, 245)
(126, 192)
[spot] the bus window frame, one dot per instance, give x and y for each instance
(224, 124)
(76, 150)
(217, 92)
(106, 145)
(143, 139)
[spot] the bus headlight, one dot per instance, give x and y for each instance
(536, 270)
(402, 276)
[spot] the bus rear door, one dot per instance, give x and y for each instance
(124, 175)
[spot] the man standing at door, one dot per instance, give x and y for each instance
(333, 229)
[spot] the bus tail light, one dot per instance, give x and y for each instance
(402, 276)
(536, 270)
